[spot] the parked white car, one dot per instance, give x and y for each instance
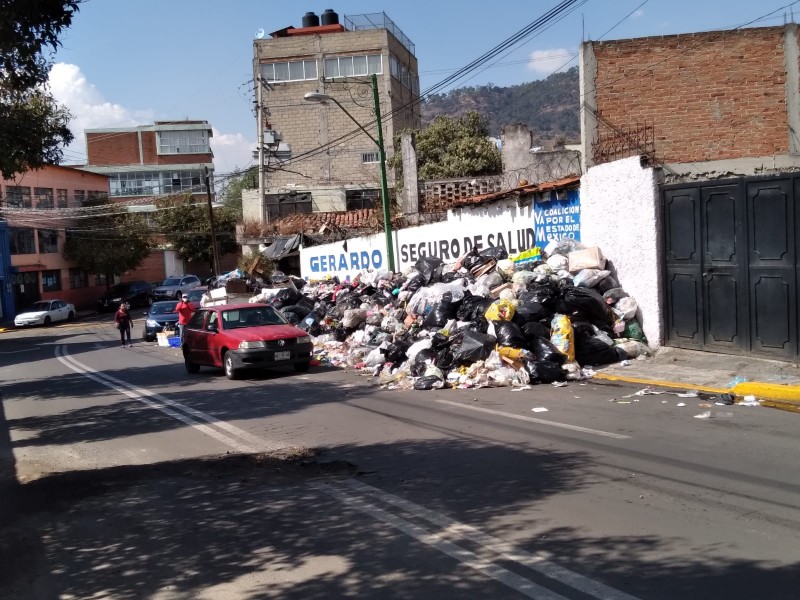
(45, 312)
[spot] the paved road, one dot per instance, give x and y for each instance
(123, 477)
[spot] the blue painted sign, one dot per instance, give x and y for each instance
(558, 218)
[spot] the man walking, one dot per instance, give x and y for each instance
(185, 311)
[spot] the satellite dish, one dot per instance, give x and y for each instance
(260, 34)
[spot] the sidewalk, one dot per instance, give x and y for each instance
(774, 383)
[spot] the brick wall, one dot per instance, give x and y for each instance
(710, 96)
(112, 148)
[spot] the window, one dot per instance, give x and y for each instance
(51, 281)
(100, 279)
(44, 197)
(279, 205)
(18, 197)
(370, 157)
(350, 66)
(48, 241)
(152, 183)
(80, 197)
(296, 70)
(98, 195)
(358, 199)
(400, 72)
(21, 240)
(192, 141)
(61, 198)
(78, 279)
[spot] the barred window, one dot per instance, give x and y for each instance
(44, 197)
(18, 196)
(78, 279)
(100, 279)
(21, 240)
(48, 241)
(51, 281)
(370, 157)
(61, 198)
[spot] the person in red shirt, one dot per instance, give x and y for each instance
(124, 323)
(185, 311)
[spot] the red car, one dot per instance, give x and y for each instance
(237, 337)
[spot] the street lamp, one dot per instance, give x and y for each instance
(387, 223)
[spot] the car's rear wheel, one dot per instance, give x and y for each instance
(231, 372)
(191, 367)
(302, 367)
(47, 321)
(70, 316)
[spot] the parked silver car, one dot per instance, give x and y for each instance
(174, 287)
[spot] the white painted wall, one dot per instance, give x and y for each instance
(620, 213)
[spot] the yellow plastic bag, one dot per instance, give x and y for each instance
(501, 310)
(530, 255)
(562, 336)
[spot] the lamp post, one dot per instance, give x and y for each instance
(387, 223)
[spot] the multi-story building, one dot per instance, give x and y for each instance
(144, 162)
(33, 210)
(317, 158)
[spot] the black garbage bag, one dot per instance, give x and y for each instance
(534, 329)
(445, 359)
(335, 312)
(495, 252)
(509, 334)
(530, 310)
(298, 282)
(340, 334)
(285, 297)
(607, 283)
(415, 283)
(545, 351)
(449, 276)
(586, 301)
(421, 361)
(396, 353)
(594, 351)
(479, 324)
(545, 294)
(312, 319)
(292, 318)
(473, 307)
(430, 269)
(470, 259)
(430, 382)
(299, 311)
(441, 313)
(544, 371)
(474, 346)
(306, 302)
(582, 330)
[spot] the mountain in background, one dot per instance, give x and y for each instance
(549, 107)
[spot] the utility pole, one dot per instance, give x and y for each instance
(259, 96)
(214, 254)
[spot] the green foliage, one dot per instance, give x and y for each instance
(186, 226)
(231, 192)
(549, 107)
(454, 147)
(111, 242)
(32, 126)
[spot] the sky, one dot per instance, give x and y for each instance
(132, 62)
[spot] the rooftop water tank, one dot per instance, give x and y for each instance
(310, 20)
(329, 17)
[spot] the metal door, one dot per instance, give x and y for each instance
(731, 266)
(26, 290)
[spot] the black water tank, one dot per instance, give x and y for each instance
(329, 17)
(310, 20)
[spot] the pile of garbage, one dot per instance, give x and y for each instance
(489, 319)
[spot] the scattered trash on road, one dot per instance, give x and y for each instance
(539, 409)
(703, 415)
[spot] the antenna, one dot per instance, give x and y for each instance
(260, 34)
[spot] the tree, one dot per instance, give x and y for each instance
(455, 147)
(110, 242)
(231, 192)
(32, 125)
(187, 228)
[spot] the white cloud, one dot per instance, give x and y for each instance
(88, 107)
(231, 151)
(91, 110)
(544, 62)
(638, 14)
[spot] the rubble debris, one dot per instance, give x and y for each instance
(486, 320)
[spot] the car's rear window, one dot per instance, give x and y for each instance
(252, 317)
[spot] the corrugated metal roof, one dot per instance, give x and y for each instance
(565, 183)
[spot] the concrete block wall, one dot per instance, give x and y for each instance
(620, 213)
(711, 95)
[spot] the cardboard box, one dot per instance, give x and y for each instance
(588, 258)
(495, 292)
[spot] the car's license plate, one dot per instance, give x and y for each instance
(283, 355)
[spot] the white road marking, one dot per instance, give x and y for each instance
(616, 436)
(506, 550)
(20, 350)
(242, 441)
(462, 555)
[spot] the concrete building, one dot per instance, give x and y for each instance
(36, 230)
(692, 183)
(317, 160)
(144, 162)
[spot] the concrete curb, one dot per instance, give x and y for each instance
(774, 395)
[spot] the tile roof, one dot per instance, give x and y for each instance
(565, 183)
